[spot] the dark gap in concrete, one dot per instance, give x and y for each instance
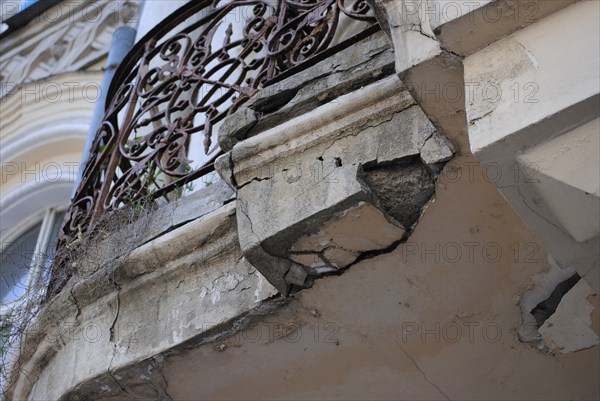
(403, 187)
(548, 306)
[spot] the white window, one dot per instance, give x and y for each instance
(25, 259)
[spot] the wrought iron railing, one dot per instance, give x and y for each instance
(195, 68)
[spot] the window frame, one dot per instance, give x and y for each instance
(48, 219)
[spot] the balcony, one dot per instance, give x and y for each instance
(282, 202)
(174, 89)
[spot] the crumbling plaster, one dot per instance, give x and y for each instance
(416, 323)
(141, 289)
(319, 144)
(545, 102)
(297, 177)
(433, 315)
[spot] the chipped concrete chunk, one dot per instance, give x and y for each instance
(339, 257)
(437, 149)
(540, 289)
(349, 176)
(274, 268)
(309, 260)
(568, 329)
(359, 229)
(296, 275)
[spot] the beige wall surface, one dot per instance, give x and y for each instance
(430, 320)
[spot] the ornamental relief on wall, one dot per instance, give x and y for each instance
(73, 36)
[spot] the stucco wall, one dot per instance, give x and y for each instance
(362, 335)
(436, 317)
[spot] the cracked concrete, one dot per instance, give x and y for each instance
(400, 325)
(169, 290)
(336, 167)
(359, 65)
(568, 329)
(358, 159)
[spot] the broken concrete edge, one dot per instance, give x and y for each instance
(288, 268)
(410, 141)
(540, 288)
(314, 127)
(274, 254)
(359, 65)
(120, 380)
(126, 274)
(336, 258)
(569, 328)
(572, 313)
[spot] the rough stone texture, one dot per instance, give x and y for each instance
(361, 64)
(417, 323)
(403, 189)
(296, 275)
(274, 268)
(311, 166)
(168, 291)
(437, 149)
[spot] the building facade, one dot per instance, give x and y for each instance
(392, 199)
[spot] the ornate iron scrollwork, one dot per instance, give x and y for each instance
(197, 67)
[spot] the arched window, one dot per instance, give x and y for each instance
(25, 259)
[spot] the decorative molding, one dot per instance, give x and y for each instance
(69, 37)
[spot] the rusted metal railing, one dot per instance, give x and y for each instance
(187, 74)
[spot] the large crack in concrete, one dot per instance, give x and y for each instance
(401, 190)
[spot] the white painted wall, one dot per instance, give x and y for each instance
(153, 12)
(532, 103)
